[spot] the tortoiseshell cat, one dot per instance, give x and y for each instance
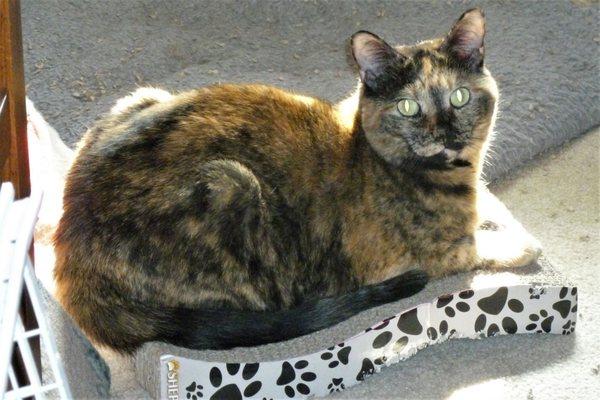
(243, 214)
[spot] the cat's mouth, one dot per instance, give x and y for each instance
(450, 152)
(440, 155)
(443, 159)
(436, 150)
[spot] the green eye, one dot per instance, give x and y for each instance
(408, 107)
(460, 97)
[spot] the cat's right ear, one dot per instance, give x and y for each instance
(464, 43)
(373, 56)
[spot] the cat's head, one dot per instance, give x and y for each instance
(432, 104)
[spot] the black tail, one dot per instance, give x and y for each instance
(222, 329)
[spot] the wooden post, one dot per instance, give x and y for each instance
(14, 160)
(14, 156)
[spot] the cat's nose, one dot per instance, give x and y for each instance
(431, 125)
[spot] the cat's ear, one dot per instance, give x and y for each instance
(373, 56)
(464, 43)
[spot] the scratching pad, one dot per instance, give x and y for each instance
(86, 371)
(466, 314)
(307, 368)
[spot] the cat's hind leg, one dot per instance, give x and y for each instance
(235, 208)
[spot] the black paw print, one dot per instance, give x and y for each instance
(381, 325)
(194, 391)
(231, 391)
(535, 292)
(540, 322)
(336, 385)
(366, 369)
(288, 376)
(342, 355)
(508, 324)
(563, 306)
(568, 328)
(445, 300)
(380, 360)
(432, 333)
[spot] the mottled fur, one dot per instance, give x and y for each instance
(247, 197)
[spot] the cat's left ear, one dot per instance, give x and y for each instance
(464, 43)
(374, 58)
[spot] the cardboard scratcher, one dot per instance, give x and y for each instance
(472, 313)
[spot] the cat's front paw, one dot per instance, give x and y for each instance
(506, 248)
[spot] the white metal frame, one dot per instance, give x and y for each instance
(17, 223)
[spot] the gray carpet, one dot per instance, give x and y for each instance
(82, 55)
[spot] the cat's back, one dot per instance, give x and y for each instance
(152, 147)
(197, 115)
(216, 121)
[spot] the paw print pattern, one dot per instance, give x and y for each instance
(508, 324)
(461, 306)
(194, 391)
(381, 325)
(563, 306)
(380, 360)
(366, 369)
(342, 354)
(382, 339)
(231, 391)
(336, 385)
(540, 322)
(535, 292)
(500, 310)
(569, 327)
(288, 376)
(494, 303)
(442, 330)
(480, 324)
(432, 334)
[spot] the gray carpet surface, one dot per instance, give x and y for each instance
(82, 55)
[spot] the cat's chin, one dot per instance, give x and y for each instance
(454, 159)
